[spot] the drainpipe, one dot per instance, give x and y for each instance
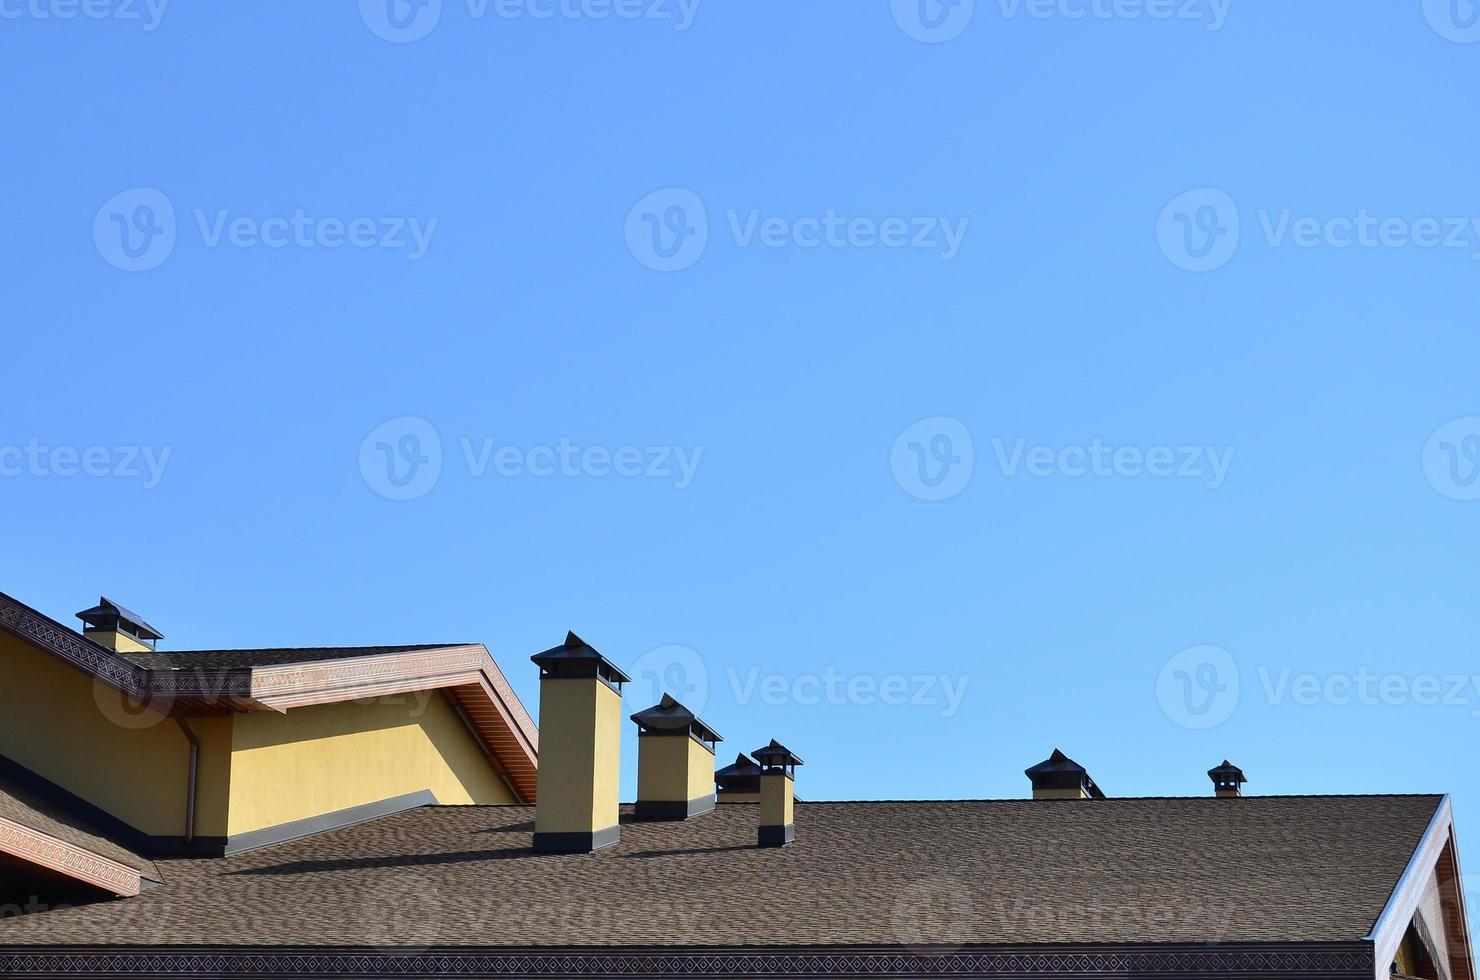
(190, 789)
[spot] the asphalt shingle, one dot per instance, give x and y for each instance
(1258, 869)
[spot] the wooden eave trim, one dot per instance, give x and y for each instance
(44, 850)
(1387, 932)
(1179, 961)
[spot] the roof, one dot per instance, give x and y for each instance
(82, 842)
(236, 659)
(1253, 870)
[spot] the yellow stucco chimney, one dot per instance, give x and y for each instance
(1228, 780)
(675, 762)
(118, 629)
(1061, 778)
(576, 809)
(778, 771)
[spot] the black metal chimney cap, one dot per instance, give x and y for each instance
(744, 768)
(1059, 771)
(578, 659)
(668, 717)
(109, 615)
(1227, 775)
(776, 756)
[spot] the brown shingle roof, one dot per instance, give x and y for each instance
(1258, 869)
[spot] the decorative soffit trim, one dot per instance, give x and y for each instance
(1282, 961)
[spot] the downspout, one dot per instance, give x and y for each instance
(190, 787)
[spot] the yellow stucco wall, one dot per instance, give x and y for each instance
(673, 768)
(776, 799)
(85, 737)
(580, 755)
(324, 758)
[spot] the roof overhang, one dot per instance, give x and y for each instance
(45, 851)
(1436, 851)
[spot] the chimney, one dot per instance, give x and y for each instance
(1228, 780)
(118, 629)
(1061, 778)
(675, 762)
(576, 809)
(778, 773)
(739, 783)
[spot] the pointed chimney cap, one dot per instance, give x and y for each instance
(1227, 774)
(577, 658)
(1059, 771)
(109, 615)
(743, 766)
(776, 756)
(668, 717)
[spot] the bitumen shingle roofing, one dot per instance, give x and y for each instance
(1258, 869)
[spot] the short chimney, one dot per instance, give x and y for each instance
(576, 809)
(740, 782)
(778, 773)
(675, 762)
(1061, 778)
(118, 629)
(1228, 780)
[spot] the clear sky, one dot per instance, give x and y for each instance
(925, 387)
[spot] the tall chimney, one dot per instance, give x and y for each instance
(740, 782)
(118, 629)
(778, 773)
(576, 810)
(1061, 778)
(675, 762)
(1228, 780)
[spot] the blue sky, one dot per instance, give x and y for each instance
(923, 387)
